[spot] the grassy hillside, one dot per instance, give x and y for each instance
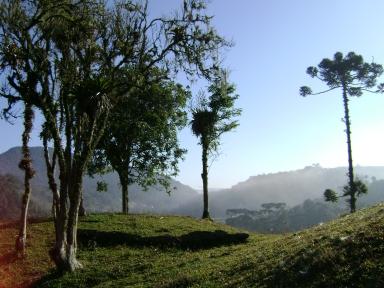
(149, 251)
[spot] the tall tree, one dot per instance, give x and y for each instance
(353, 76)
(140, 142)
(25, 90)
(26, 165)
(79, 54)
(210, 119)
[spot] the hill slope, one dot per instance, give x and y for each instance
(291, 187)
(154, 200)
(149, 251)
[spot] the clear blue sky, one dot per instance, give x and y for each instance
(275, 41)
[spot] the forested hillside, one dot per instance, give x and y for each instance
(154, 200)
(291, 188)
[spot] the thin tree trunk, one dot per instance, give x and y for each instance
(351, 182)
(58, 252)
(204, 176)
(123, 175)
(82, 211)
(25, 164)
(50, 165)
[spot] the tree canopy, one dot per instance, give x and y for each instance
(140, 142)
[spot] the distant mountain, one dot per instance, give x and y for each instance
(155, 200)
(292, 188)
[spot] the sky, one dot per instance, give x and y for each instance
(275, 41)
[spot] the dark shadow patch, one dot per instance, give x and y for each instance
(90, 239)
(8, 258)
(45, 280)
(89, 221)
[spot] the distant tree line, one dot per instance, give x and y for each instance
(277, 218)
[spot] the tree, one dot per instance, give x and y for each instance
(26, 165)
(140, 142)
(26, 87)
(78, 54)
(210, 119)
(353, 76)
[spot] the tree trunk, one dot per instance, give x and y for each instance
(74, 199)
(123, 175)
(351, 182)
(204, 176)
(58, 252)
(25, 164)
(50, 166)
(64, 252)
(82, 211)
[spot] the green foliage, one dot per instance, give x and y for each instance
(360, 188)
(214, 116)
(140, 141)
(350, 71)
(276, 218)
(305, 91)
(330, 195)
(102, 186)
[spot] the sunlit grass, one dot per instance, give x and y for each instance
(154, 251)
(21, 272)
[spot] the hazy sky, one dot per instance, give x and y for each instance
(275, 41)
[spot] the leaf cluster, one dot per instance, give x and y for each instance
(359, 188)
(350, 73)
(140, 141)
(214, 116)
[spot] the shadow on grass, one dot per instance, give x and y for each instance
(8, 258)
(88, 239)
(45, 281)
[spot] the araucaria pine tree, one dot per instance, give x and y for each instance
(353, 76)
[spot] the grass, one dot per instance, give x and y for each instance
(170, 251)
(22, 272)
